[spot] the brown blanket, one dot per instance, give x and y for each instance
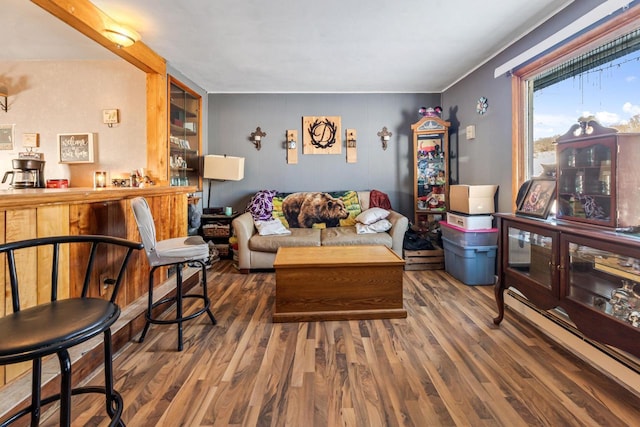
(378, 199)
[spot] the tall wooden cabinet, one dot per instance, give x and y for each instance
(431, 169)
(185, 141)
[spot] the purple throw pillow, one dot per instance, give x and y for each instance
(261, 205)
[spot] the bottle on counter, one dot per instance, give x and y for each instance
(133, 179)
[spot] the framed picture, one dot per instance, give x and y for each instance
(6, 137)
(75, 148)
(538, 198)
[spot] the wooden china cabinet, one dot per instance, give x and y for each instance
(588, 275)
(185, 141)
(431, 169)
(583, 266)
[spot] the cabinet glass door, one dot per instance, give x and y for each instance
(586, 186)
(184, 136)
(431, 175)
(531, 254)
(604, 280)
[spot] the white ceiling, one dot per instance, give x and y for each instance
(284, 46)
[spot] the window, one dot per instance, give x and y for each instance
(580, 79)
(601, 84)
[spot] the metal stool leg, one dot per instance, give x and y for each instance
(179, 298)
(179, 304)
(65, 388)
(149, 306)
(207, 302)
(36, 396)
(113, 399)
(108, 373)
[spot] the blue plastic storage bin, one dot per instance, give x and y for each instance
(472, 265)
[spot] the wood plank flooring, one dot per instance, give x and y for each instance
(446, 364)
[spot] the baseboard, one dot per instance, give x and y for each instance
(581, 348)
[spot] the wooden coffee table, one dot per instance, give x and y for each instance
(338, 283)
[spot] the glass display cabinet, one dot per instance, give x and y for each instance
(590, 274)
(431, 168)
(597, 176)
(184, 135)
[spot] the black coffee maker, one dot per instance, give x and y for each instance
(26, 173)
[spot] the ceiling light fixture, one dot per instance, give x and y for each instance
(122, 36)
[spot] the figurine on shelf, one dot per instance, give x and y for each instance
(429, 112)
(624, 301)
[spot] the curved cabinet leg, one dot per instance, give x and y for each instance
(499, 294)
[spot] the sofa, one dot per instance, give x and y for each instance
(314, 219)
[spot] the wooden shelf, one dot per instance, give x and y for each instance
(181, 131)
(178, 149)
(188, 113)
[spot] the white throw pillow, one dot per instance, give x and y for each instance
(372, 215)
(273, 226)
(376, 227)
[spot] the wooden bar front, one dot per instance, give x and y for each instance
(338, 283)
(33, 213)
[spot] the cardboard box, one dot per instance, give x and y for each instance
(472, 199)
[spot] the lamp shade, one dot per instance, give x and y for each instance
(226, 168)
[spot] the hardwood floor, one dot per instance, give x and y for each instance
(446, 364)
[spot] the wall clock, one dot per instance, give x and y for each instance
(482, 105)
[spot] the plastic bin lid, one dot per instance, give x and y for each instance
(482, 230)
(474, 248)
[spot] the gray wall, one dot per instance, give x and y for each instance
(232, 117)
(487, 158)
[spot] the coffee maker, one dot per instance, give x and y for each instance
(26, 173)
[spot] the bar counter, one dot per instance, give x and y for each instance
(41, 212)
(31, 197)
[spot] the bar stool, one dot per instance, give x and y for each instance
(29, 334)
(176, 251)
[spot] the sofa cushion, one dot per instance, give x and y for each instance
(347, 236)
(271, 227)
(316, 209)
(298, 237)
(376, 227)
(372, 215)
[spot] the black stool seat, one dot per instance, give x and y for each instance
(53, 327)
(45, 329)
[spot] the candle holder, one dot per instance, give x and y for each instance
(99, 179)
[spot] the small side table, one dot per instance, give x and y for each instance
(218, 228)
